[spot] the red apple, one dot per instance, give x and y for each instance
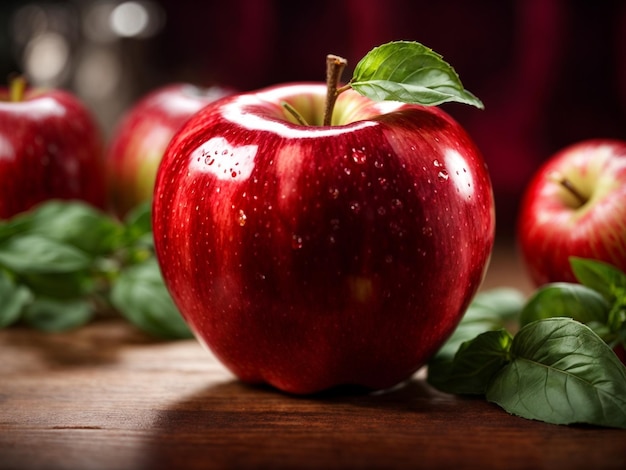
(575, 205)
(50, 148)
(311, 256)
(139, 141)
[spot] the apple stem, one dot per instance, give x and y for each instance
(294, 112)
(567, 184)
(334, 69)
(17, 87)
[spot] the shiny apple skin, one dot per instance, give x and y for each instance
(50, 148)
(552, 227)
(141, 137)
(309, 257)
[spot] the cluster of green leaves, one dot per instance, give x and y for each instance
(549, 357)
(64, 262)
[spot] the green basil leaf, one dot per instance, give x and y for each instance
(562, 299)
(503, 304)
(489, 310)
(138, 225)
(411, 73)
(55, 315)
(13, 299)
(599, 276)
(474, 365)
(64, 285)
(139, 219)
(14, 226)
(37, 254)
(617, 316)
(78, 224)
(561, 372)
(139, 293)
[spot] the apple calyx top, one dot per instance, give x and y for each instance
(404, 71)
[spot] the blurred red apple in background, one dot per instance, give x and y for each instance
(50, 148)
(310, 256)
(575, 205)
(140, 139)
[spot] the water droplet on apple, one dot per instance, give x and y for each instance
(378, 164)
(296, 242)
(209, 161)
(347, 170)
(381, 211)
(242, 218)
(359, 156)
(396, 229)
(334, 193)
(437, 163)
(396, 203)
(355, 207)
(443, 175)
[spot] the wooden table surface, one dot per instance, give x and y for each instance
(107, 397)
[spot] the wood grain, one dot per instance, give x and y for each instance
(107, 397)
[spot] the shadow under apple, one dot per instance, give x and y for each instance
(234, 425)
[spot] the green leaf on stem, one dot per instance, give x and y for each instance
(13, 299)
(599, 276)
(138, 223)
(490, 310)
(139, 293)
(67, 285)
(474, 365)
(610, 282)
(38, 254)
(409, 72)
(562, 299)
(78, 224)
(14, 226)
(54, 315)
(561, 372)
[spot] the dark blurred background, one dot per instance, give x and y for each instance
(550, 72)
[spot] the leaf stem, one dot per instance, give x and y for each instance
(346, 87)
(334, 69)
